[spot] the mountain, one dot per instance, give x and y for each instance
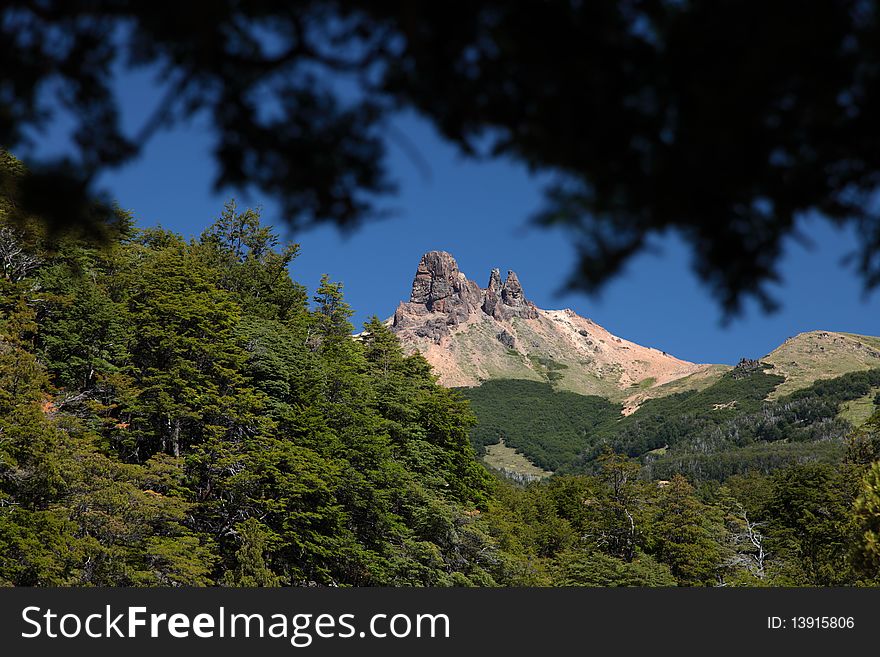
(552, 390)
(815, 355)
(471, 335)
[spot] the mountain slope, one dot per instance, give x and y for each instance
(519, 366)
(471, 335)
(808, 357)
(727, 428)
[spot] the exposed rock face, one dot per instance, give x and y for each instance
(747, 366)
(471, 335)
(513, 300)
(442, 288)
(492, 295)
(442, 296)
(506, 339)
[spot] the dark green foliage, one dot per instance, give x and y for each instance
(613, 529)
(864, 443)
(581, 568)
(684, 534)
(71, 514)
(185, 360)
(175, 413)
(800, 427)
(675, 419)
(759, 457)
(797, 506)
(551, 428)
(813, 522)
(867, 521)
(728, 428)
(251, 266)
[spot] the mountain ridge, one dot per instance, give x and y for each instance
(830, 353)
(471, 334)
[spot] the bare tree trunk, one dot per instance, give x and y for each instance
(632, 535)
(757, 540)
(755, 558)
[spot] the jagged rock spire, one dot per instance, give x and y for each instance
(439, 288)
(512, 292)
(492, 295)
(513, 300)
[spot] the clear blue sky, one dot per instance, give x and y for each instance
(478, 212)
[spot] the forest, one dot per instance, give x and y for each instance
(182, 412)
(725, 429)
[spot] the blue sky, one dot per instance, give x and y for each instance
(478, 212)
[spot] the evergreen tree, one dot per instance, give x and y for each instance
(246, 255)
(619, 531)
(250, 568)
(812, 522)
(185, 359)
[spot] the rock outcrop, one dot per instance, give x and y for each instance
(441, 287)
(442, 296)
(471, 335)
(513, 300)
(492, 294)
(506, 339)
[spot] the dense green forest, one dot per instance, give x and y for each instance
(725, 429)
(754, 493)
(182, 412)
(550, 427)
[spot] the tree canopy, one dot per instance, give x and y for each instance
(181, 413)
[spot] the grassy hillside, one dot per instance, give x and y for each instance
(512, 464)
(809, 357)
(661, 423)
(858, 411)
(691, 383)
(707, 438)
(550, 359)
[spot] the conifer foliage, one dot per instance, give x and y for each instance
(183, 413)
(180, 412)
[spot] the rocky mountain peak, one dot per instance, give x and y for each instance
(492, 294)
(513, 299)
(442, 288)
(442, 296)
(470, 334)
(495, 280)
